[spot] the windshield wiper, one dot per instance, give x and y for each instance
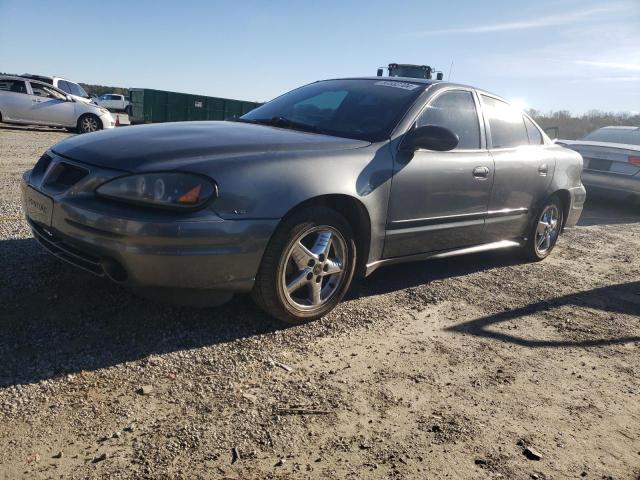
(284, 122)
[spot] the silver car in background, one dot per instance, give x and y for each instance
(31, 102)
(611, 161)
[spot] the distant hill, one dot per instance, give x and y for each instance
(572, 127)
(100, 89)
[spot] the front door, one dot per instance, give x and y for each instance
(439, 199)
(50, 107)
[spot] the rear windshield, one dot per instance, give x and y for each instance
(360, 109)
(615, 135)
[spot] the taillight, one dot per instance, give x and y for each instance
(634, 161)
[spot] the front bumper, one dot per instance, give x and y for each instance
(107, 121)
(140, 248)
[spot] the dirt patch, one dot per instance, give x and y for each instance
(441, 369)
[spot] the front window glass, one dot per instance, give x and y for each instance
(628, 136)
(46, 92)
(360, 109)
(456, 111)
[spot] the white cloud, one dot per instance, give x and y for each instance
(634, 67)
(541, 22)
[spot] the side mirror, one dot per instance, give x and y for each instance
(429, 137)
(380, 71)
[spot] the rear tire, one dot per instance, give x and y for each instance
(88, 123)
(544, 233)
(307, 266)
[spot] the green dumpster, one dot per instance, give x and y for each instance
(156, 106)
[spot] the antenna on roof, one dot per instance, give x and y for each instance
(450, 68)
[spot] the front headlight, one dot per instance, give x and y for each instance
(169, 190)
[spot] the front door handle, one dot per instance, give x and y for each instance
(543, 169)
(481, 173)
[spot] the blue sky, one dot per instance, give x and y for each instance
(565, 54)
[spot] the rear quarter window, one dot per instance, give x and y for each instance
(535, 137)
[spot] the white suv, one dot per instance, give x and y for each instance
(32, 102)
(113, 101)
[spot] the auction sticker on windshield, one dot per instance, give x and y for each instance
(402, 85)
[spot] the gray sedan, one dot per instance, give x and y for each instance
(293, 199)
(612, 161)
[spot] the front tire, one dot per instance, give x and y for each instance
(307, 267)
(88, 123)
(544, 233)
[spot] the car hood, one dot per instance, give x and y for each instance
(131, 148)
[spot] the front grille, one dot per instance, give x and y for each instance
(63, 176)
(40, 168)
(70, 175)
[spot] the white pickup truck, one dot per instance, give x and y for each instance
(113, 101)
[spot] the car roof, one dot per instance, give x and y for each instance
(27, 79)
(424, 81)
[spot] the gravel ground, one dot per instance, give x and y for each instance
(471, 367)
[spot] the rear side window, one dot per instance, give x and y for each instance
(456, 111)
(505, 122)
(535, 137)
(15, 86)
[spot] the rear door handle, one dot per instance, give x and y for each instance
(543, 169)
(481, 173)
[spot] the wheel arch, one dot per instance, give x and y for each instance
(355, 212)
(89, 114)
(565, 198)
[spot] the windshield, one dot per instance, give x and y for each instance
(360, 109)
(77, 90)
(615, 135)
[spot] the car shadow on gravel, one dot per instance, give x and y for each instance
(56, 319)
(412, 274)
(30, 128)
(618, 299)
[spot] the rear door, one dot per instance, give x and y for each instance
(50, 107)
(439, 199)
(15, 102)
(524, 167)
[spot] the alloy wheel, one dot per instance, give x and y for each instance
(548, 229)
(313, 268)
(89, 124)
